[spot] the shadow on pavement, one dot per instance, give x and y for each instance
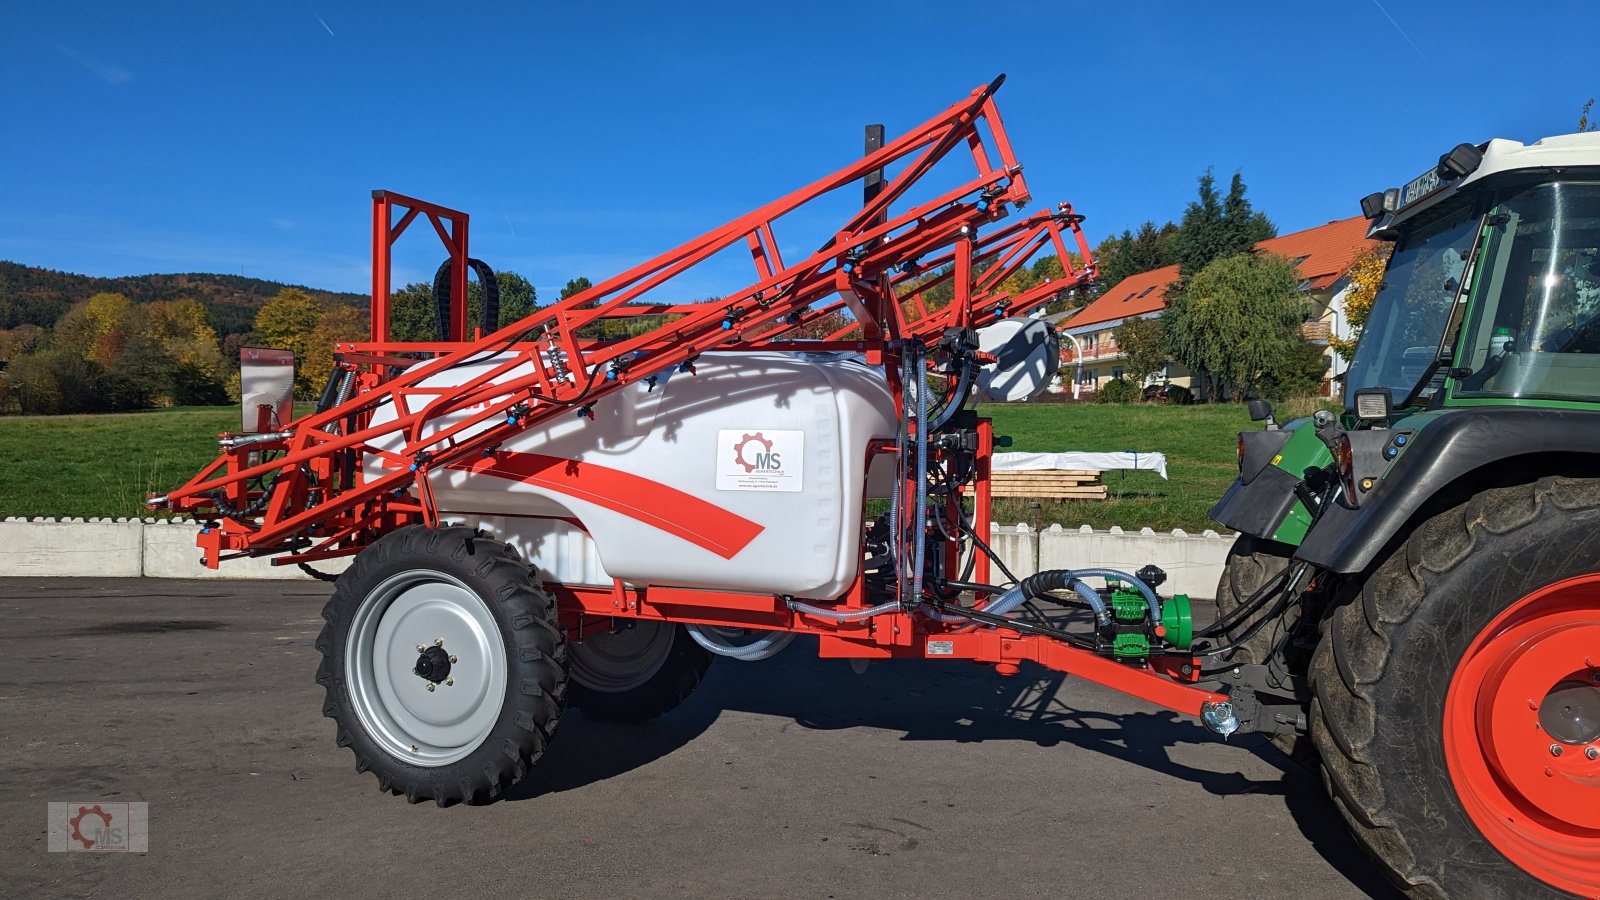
(954, 703)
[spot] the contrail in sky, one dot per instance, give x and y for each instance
(1407, 37)
(331, 34)
(511, 226)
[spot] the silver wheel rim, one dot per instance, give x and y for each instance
(622, 660)
(421, 608)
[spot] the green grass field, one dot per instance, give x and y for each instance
(1202, 459)
(103, 465)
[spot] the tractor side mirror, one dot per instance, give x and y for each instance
(266, 388)
(1260, 410)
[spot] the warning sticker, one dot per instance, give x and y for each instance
(760, 460)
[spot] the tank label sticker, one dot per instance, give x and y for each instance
(762, 460)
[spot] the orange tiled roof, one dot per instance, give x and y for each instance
(1323, 254)
(1135, 295)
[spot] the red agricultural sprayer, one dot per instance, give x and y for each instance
(546, 516)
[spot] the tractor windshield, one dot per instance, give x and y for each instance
(1535, 326)
(1401, 338)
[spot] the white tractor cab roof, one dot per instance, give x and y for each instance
(1469, 165)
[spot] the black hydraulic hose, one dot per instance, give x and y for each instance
(920, 526)
(1040, 584)
(1018, 625)
(1251, 605)
(993, 556)
(958, 400)
(1244, 637)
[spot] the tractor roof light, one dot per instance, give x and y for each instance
(1377, 203)
(1372, 205)
(1461, 161)
(1372, 404)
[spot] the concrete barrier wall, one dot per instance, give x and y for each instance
(123, 548)
(156, 548)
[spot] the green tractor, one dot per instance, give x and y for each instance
(1413, 602)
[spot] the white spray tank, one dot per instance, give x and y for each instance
(749, 474)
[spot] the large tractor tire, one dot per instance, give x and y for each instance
(639, 671)
(1457, 706)
(444, 664)
(1251, 564)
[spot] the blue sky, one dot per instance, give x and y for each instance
(586, 137)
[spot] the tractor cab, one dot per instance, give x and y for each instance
(1492, 294)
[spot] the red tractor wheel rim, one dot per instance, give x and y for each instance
(1519, 727)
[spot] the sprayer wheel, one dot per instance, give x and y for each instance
(444, 664)
(636, 672)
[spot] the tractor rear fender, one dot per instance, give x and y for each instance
(1454, 454)
(1262, 500)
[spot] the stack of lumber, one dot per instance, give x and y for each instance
(1048, 484)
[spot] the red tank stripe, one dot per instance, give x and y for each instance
(651, 502)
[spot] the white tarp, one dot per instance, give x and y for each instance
(1098, 462)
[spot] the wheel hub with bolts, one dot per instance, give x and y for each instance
(394, 683)
(433, 665)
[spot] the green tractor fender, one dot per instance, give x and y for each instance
(1263, 501)
(1451, 455)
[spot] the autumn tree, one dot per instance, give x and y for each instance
(182, 330)
(97, 328)
(1238, 322)
(284, 321)
(1365, 277)
(339, 324)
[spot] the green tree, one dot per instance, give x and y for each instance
(1300, 375)
(1583, 118)
(517, 297)
(576, 286)
(54, 382)
(1132, 252)
(1237, 321)
(1244, 226)
(143, 375)
(1144, 347)
(412, 315)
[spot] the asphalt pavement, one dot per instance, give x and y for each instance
(793, 777)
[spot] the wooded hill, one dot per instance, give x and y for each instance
(34, 296)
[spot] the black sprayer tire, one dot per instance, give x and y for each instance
(1398, 709)
(1251, 563)
(481, 701)
(641, 671)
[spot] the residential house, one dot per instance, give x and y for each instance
(1323, 255)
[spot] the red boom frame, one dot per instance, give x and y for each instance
(318, 501)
